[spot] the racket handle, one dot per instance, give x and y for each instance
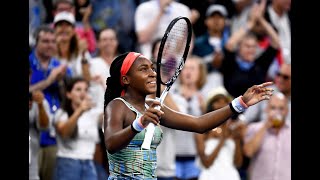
(148, 136)
(149, 132)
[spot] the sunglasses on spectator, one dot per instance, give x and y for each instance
(284, 76)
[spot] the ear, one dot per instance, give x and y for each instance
(125, 80)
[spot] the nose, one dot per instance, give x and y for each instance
(153, 73)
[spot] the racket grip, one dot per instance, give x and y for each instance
(148, 136)
(149, 132)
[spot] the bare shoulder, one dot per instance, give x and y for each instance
(118, 112)
(116, 105)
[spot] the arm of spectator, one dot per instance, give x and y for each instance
(67, 128)
(207, 160)
(55, 74)
(147, 32)
(217, 59)
(43, 115)
(237, 137)
(238, 35)
(88, 33)
(194, 16)
(85, 67)
(251, 146)
(85, 18)
(275, 41)
(241, 5)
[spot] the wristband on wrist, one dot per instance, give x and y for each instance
(232, 109)
(137, 125)
(133, 129)
(238, 106)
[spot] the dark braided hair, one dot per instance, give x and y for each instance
(114, 87)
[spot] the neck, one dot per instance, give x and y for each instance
(188, 90)
(64, 50)
(74, 106)
(43, 60)
(215, 33)
(107, 57)
(278, 10)
(135, 100)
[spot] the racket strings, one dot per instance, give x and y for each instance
(173, 50)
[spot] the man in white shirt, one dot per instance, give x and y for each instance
(152, 19)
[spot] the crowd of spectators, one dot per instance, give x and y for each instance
(235, 44)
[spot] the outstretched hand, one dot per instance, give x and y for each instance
(257, 93)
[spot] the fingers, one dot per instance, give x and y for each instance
(150, 117)
(155, 103)
(266, 94)
(265, 84)
(262, 87)
(152, 114)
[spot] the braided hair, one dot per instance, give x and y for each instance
(114, 87)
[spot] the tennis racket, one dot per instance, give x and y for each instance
(171, 58)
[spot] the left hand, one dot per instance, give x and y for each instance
(257, 93)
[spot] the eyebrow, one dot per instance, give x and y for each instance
(145, 65)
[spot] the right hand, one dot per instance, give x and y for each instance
(86, 103)
(57, 73)
(152, 115)
(257, 93)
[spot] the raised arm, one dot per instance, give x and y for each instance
(145, 34)
(44, 117)
(251, 146)
(67, 128)
(275, 41)
(56, 74)
(208, 121)
(235, 38)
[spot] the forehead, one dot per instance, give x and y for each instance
(141, 60)
(277, 101)
(63, 24)
(285, 68)
(62, 5)
(107, 33)
(80, 84)
(46, 34)
(192, 62)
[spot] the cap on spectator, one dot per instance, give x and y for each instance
(217, 8)
(220, 90)
(64, 16)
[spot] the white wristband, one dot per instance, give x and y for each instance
(136, 124)
(237, 105)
